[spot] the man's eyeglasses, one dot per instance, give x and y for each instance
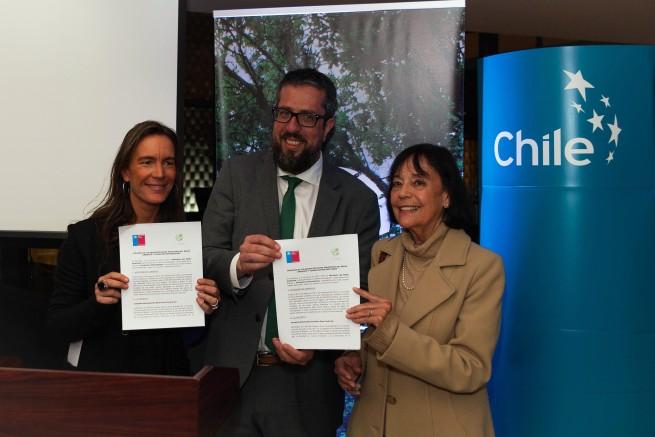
(305, 119)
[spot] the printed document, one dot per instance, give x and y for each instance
(313, 289)
(163, 261)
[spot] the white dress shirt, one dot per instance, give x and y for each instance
(306, 193)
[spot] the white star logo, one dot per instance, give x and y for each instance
(577, 82)
(610, 157)
(616, 130)
(596, 121)
(577, 106)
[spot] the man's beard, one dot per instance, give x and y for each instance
(291, 163)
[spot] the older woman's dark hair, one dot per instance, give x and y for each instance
(459, 214)
(116, 209)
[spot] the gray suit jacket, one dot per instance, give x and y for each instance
(244, 201)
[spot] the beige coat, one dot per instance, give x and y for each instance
(426, 369)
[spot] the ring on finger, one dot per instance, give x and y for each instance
(214, 305)
(370, 313)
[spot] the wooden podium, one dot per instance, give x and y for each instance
(35, 402)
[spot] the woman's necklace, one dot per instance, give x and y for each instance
(403, 274)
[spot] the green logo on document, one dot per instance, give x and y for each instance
(334, 251)
(179, 237)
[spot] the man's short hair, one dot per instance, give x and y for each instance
(313, 77)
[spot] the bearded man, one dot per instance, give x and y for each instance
(284, 391)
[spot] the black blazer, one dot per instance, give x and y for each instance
(75, 315)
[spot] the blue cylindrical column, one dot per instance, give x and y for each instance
(568, 200)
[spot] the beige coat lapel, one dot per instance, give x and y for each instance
(433, 288)
(383, 276)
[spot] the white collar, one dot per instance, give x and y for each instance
(312, 175)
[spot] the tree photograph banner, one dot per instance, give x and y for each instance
(398, 69)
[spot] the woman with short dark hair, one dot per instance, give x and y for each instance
(433, 312)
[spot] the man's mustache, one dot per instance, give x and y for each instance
(294, 136)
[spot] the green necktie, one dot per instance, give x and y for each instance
(287, 222)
